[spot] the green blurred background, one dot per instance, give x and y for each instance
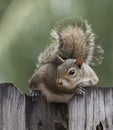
(25, 27)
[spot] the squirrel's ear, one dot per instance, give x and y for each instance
(59, 59)
(79, 62)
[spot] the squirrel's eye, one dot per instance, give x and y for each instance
(71, 71)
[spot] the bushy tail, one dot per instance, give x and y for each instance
(72, 38)
(76, 39)
(48, 55)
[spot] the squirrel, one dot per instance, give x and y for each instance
(63, 68)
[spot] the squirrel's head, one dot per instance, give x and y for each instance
(69, 73)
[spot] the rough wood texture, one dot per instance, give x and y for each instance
(94, 111)
(18, 112)
(12, 108)
(45, 116)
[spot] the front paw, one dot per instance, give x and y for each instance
(80, 91)
(35, 94)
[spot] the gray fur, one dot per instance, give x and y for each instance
(72, 38)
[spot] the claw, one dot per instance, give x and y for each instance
(35, 94)
(80, 91)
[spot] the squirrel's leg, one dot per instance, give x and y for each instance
(79, 91)
(90, 78)
(80, 87)
(35, 94)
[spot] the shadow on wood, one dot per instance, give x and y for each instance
(45, 116)
(93, 111)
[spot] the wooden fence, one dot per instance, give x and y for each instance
(93, 111)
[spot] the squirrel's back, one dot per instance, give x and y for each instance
(72, 38)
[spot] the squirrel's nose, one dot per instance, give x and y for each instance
(59, 81)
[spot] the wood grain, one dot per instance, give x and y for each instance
(12, 108)
(19, 112)
(94, 107)
(93, 111)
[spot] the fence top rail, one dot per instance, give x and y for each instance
(89, 112)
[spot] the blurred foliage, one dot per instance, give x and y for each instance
(25, 27)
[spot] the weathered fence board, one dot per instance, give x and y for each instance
(45, 116)
(18, 112)
(93, 110)
(85, 113)
(12, 108)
